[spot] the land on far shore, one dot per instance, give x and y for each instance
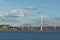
(28, 27)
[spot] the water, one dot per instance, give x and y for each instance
(29, 35)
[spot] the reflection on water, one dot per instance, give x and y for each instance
(29, 35)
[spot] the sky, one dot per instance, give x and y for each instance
(19, 12)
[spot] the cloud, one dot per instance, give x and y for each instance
(2, 15)
(18, 12)
(30, 8)
(13, 14)
(45, 6)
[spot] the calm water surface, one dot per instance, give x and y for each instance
(29, 35)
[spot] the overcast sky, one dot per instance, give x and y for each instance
(18, 12)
